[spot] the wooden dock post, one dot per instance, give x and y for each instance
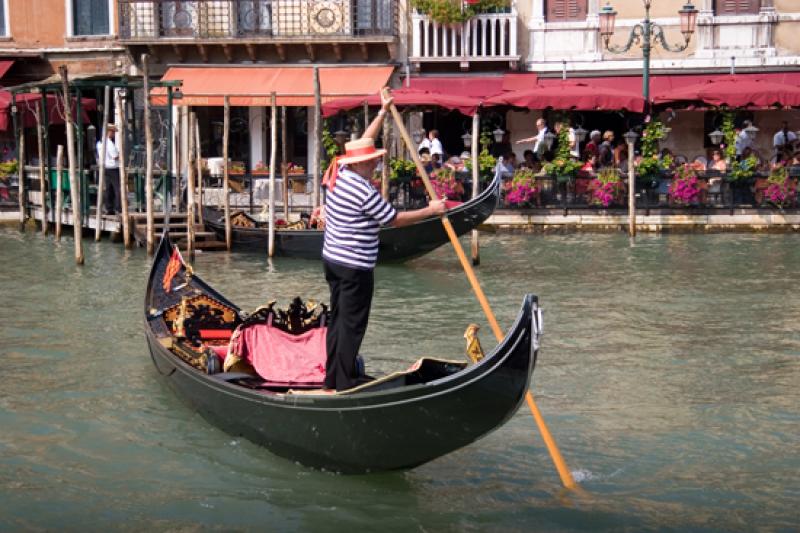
(273, 156)
(59, 212)
(631, 193)
(21, 176)
(284, 163)
(315, 195)
(102, 163)
(148, 147)
(123, 173)
(199, 167)
(74, 183)
(42, 184)
(226, 126)
(476, 175)
(385, 165)
(190, 169)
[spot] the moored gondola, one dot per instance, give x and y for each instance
(396, 244)
(396, 422)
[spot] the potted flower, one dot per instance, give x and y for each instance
(260, 169)
(563, 166)
(456, 12)
(781, 190)
(445, 184)
(651, 167)
(522, 190)
(401, 170)
(607, 188)
(685, 187)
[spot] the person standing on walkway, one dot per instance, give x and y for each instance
(354, 212)
(111, 193)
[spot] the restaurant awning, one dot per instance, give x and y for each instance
(571, 94)
(403, 98)
(252, 86)
(5, 65)
(480, 87)
(29, 103)
(733, 91)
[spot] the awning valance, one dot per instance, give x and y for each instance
(252, 86)
(5, 65)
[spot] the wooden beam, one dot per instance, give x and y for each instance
(226, 49)
(203, 52)
(391, 48)
(337, 51)
(251, 51)
(180, 52)
(364, 51)
(310, 51)
(281, 51)
(152, 50)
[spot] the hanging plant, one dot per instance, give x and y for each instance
(455, 11)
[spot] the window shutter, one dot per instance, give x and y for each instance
(738, 7)
(565, 10)
(90, 17)
(100, 17)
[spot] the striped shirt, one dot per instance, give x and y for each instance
(354, 212)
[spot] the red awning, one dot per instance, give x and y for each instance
(4, 66)
(734, 91)
(570, 94)
(253, 86)
(28, 102)
(480, 87)
(403, 98)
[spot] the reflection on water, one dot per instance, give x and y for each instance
(669, 377)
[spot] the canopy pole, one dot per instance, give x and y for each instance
(476, 252)
(317, 137)
(190, 169)
(102, 171)
(199, 151)
(226, 126)
(122, 142)
(366, 115)
(148, 147)
(74, 185)
(40, 146)
(284, 177)
(563, 471)
(59, 192)
(273, 156)
(385, 164)
(21, 171)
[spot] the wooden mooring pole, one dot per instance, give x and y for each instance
(148, 169)
(284, 168)
(476, 185)
(123, 173)
(315, 195)
(21, 176)
(631, 193)
(226, 127)
(190, 170)
(42, 183)
(273, 160)
(72, 161)
(101, 180)
(199, 167)
(59, 211)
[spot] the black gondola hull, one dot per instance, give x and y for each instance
(366, 431)
(396, 244)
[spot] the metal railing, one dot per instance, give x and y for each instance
(150, 20)
(489, 36)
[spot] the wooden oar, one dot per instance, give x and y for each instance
(555, 454)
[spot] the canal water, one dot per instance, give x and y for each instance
(669, 376)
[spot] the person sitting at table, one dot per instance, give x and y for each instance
(589, 162)
(528, 160)
(436, 160)
(717, 162)
(506, 165)
(621, 157)
(593, 145)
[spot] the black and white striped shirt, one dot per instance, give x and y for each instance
(354, 212)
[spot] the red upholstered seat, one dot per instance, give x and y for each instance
(215, 334)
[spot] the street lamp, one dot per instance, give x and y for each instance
(340, 136)
(647, 33)
(631, 137)
(580, 134)
(751, 132)
(467, 140)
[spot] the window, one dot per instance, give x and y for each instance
(566, 10)
(737, 7)
(3, 32)
(90, 17)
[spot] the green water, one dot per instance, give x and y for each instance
(669, 376)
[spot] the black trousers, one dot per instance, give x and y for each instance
(351, 298)
(111, 192)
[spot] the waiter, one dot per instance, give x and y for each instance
(111, 193)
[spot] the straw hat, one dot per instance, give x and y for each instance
(362, 149)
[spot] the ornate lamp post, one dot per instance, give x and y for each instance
(646, 34)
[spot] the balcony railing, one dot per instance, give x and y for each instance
(485, 37)
(149, 20)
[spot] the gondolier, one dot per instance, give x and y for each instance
(354, 212)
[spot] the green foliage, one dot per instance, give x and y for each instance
(608, 175)
(651, 165)
(563, 167)
(729, 138)
(744, 169)
(454, 12)
(8, 168)
(329, 143)
(401, 168)
(779, 175)
(486, 161)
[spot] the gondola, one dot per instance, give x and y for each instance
(399, 421)
(396, 244)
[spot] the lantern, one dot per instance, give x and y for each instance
(608, 18)
(716, 136)
(688, 14)
(467, 140)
